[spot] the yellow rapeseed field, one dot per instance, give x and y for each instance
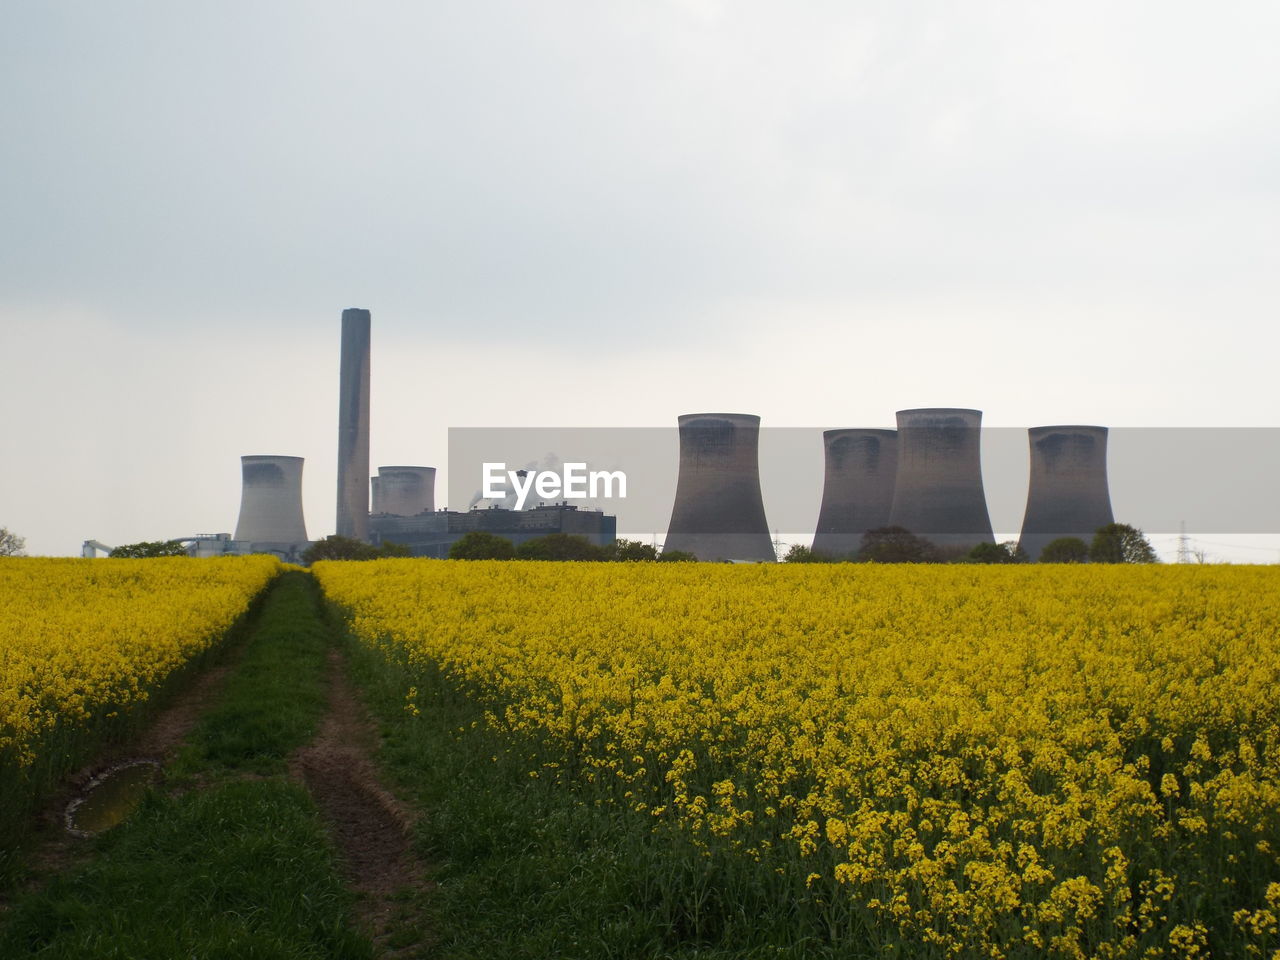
(79, 638)
(1059, 761)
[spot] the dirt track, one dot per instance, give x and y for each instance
(370, 827)
(54, 850)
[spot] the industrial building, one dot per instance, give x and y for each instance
(201, 545)
(857, 489)
(432, 534)
(718, 512)
(1067, 495)
(938, 492)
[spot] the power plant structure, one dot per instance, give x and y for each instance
(857, 490)
(718, 512)
(201, 545)
(1067, 495)
(403, 497)
(353, 426)
(271, 519)
(938, 492)
(432, 534)
(404, 491)
(926, 477)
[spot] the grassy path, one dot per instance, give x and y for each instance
(371, 828)
(233, 856)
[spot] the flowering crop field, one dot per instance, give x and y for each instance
(82, 638)
(1062, 761)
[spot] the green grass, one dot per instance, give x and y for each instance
(272, 703)
(66, 749)
(230, 866)
(242, 869)
(526, 868)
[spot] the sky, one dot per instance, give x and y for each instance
(611, 214)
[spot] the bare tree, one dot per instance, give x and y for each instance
(11, 544)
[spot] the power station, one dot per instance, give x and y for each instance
(404, 513)
(938, 492)
(404, 509)
(926, 477)
(432, 534)
(857, 489)
(719, 512)
(1067, 495)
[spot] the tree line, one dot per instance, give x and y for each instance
(482, 545)
(1113, 543)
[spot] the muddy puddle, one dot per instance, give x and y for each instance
(110, 797)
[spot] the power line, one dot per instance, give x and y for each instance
(1237, 546)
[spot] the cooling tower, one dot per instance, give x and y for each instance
(375, 484)
(271, 501)
(857, 493)
(1067, 495)
(353, 427)
(404, 491)
(718, 512)
(938, 492)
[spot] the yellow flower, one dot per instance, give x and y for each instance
(983, 760)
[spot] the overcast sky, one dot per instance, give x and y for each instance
(605, 213)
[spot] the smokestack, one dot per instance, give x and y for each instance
(1067, 495)
(718, 512)
(857, 493)
(938, 492)
(353, 427)
(271, 500)
(404, 491)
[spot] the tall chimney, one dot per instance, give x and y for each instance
(353, 427)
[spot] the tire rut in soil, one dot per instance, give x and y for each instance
(370, 828)
(53, 850)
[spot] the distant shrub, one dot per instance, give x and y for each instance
(334, 547)
(149, 548)
(1065, 550)
(677, 556)
(896, 545)
(482, 545)
(631, 551)
(1121, 543)
(560, 546)
(799, 553)
(1008, 552)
